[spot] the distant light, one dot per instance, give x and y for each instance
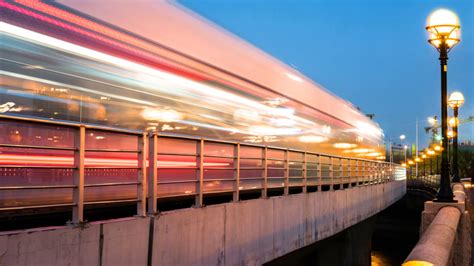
(450, 134)
(312, 139)
(405, 147)
(453, 121)
(362, 150)
(432, 120)
(402, 137)
(342, 145)
(6, 107)
(326, 129)
(456, 99)
(294, 77)
(162, 115)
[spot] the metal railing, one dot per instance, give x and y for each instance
(174, 166)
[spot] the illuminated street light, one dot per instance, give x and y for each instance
(455, 101)
(410, 162)
(437, 148)
(450, 134)
(432, 120)
(402, 137)
(453, 121)
(444, 28)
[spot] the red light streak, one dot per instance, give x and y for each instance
(68, 161)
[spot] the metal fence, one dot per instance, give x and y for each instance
(46, 163)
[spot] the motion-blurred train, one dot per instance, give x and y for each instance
(149, 66)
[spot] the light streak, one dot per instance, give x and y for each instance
(68, 161)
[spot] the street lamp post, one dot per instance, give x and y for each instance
(443, 26)
(456, 100)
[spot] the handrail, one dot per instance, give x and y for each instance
(436, 243)
(324, 169)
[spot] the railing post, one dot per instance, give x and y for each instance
(79, 171)
(358, 175)
(237, 171)
(366, 173)
(320, 173)
(265, 173)
(200, 184)
(305, 173)
(341, 174)
(141, 176)
(153, 174)
(331, 173)
(286, 189)
(349, 171)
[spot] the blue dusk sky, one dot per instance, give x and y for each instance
(373, 53)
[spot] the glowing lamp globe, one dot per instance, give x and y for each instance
(453, 121)
(444, 27)
(456, 99)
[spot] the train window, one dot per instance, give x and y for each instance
(23, 133)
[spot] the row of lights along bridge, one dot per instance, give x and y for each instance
(444, 29)
(444, 33)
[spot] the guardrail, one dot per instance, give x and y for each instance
(443, 225)
(71, 164)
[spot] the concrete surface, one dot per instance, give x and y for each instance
(445, 233)
(239, 233)
(437, 241)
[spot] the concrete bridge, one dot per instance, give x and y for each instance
(238, 233)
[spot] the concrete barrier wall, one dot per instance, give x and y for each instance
(239, 233)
